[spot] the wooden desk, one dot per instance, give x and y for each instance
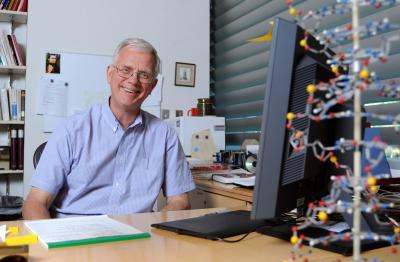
(228, 190)
(169, 246)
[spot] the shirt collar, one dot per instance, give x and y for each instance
(112, 121)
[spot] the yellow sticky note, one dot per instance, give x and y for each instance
(13, 230)
(21, 240)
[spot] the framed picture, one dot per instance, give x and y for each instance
(185, 74)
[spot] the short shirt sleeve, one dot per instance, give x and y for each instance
(178, 178)
(54, 163)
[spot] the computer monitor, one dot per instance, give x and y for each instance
(285, 178)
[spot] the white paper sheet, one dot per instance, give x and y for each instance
(76, 228)
(52, 97)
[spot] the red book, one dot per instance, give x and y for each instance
(13, 150)
(20, 149)
(23, 6)
(18, 51)
(13, 53)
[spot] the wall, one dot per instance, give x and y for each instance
(179, 29)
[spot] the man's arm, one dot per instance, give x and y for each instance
(37, 204)
(178, 202)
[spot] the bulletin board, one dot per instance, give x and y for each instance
(80, 83)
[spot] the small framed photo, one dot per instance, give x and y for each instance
(185, 74)
(53, 63)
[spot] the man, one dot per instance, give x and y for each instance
(114, 158)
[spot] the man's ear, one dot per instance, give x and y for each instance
(109, 72)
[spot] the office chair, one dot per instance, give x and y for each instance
(38, 153)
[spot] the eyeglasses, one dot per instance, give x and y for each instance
(126, 72)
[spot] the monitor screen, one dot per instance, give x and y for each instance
(287, 179)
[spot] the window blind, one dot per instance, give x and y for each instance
(239, 68)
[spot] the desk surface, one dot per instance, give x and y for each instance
(169, 246)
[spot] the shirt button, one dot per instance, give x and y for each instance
(114, 129)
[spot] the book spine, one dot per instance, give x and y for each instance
(13, 103)
(13, 149)
(7, 48)
(23, 7)
(22, 104)
(5, 4)
(18, 94)
(11, 3)
(20, 149)
(18, 51)
(4, 104)
(12, 50)
(3, 54)
(15, 5)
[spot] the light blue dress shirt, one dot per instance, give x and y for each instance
(94, 166)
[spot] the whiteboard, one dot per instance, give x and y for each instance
(85, 79)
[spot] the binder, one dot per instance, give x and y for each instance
(13, 149)
(20, 149)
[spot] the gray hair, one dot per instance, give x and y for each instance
(139, 45)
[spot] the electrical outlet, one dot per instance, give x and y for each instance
(165, 114)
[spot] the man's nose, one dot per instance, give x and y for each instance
(133, 78)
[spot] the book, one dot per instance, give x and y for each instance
(4, 58)
(7, 49)
(74, 231)
(18, 51)
(5, 111)
(2, 3)
(12, 95)
(23, 6)
(13, 149)
(15, 5)
(11, 3)
(22, 102)
(12, 49)
(5, 4)
(20, 149)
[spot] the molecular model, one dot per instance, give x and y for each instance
(344, 88)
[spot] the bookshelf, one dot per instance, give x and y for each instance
(11, 177)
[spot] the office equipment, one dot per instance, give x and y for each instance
(63, 232)
(186, 126)
(286, 178)
(214, 226)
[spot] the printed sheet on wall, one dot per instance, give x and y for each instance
(79, 82)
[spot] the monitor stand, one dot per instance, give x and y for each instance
(369, 222)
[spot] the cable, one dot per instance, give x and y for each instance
(242, 237)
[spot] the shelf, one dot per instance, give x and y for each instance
(19, 70)
(11, 122)
(13, 16)
(9, 171)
